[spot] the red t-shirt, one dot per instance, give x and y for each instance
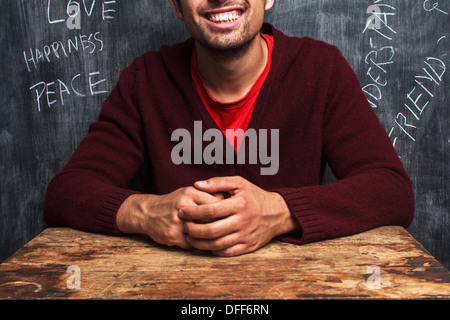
(237, 114)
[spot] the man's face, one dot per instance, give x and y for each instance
(222, 24)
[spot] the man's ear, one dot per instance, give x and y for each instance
(176, 5)
(269, 4)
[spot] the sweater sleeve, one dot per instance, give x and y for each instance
(88, 192)
(372, 187)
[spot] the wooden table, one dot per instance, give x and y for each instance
(385, 263)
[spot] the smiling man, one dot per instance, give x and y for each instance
(235, 74)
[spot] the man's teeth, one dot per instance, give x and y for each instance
(224, 17)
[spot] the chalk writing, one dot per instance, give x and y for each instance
(381, 56)
(418, 98)
(50, 94)
(382, 52)
(45, 93)
(77, 8)
(441, 38)
(427, 6)
(89, 43)
(378, 60)
(378, 19)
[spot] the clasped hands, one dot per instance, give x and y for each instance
(200, 217)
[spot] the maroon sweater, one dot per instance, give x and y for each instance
(311, 95)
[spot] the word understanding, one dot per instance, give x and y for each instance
(378, 61)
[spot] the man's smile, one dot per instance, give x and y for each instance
(228, 16)
(223, 18)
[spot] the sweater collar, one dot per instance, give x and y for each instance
(178, 63)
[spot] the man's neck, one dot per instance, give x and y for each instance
(229, 75)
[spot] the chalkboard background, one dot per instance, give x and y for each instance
(56, 69)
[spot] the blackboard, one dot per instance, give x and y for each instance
(60, 58)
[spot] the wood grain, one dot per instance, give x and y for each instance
(136, 268)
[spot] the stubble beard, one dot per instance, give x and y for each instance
(229, 47)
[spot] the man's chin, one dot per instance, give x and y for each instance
(231, 45)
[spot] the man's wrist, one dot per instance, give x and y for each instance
(129, 216)
(287, 222)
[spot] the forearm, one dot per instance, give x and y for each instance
(78, 201)
(349, 206)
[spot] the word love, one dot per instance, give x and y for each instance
(213, 153)
(75, 8)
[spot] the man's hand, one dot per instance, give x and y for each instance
(158, 216)
(242, 223)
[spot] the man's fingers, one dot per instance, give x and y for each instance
(228, 246)
(212, 230)
(186, 245)
(215, 210)
(218, 244)
(220, 184)
(236, 250)
(201, 197)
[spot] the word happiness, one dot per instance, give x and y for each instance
(50, 52)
